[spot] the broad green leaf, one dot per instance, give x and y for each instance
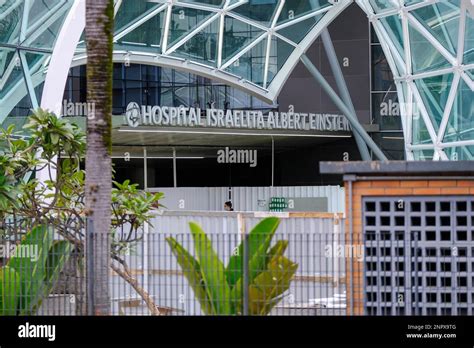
(10, 289)
(212, 270)
(277, 250)
(259, 240)
(58, 256)
(24, 267)
(258, 260)
(266, 285)
(271, 284)
(30, 262)
(192, 271)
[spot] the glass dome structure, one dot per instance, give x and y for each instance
(430, 48)
(28, 33)
(254, 45)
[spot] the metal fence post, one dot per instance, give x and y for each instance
(336, 246)
(146, 255)
(245, 274)
(351, 242)
(90, 266)
(245, 262)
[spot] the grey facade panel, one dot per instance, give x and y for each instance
(351, 42)
(246, 198)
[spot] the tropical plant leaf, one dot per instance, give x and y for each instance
(259, 259)
(10, 289)
(212, 270)
(270, 284)
(259, 239)
(24, 267)
(58, 256)
(30, 262)
(192, 271)
(277, 250)
(270, 273)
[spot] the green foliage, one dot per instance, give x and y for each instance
(56, 135)
(212, 271)
(218, 288)
(32, 272)
(57, 148)
(9, 287)
(129, 201)
(53, 145)
(7, 192)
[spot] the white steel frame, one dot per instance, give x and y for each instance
(409, 94)
(27, 31)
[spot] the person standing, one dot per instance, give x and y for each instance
(228, 206)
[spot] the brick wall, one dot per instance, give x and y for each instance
(389, 187)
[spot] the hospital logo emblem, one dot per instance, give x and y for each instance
(133, 115)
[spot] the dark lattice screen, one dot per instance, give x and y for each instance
(419, 255)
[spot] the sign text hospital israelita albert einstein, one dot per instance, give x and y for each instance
(244, 119)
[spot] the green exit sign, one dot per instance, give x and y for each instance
(278, 204)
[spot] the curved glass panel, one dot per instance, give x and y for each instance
(28, 33)
(461, 120)
(393, 26)
(295, 9)
(237, 35)
(219, 37)
(383, 5)
(183, 20)
(435, 92)
(11, 13)
(260, 11)
(469, 41)
(251, 65)
(147, 36)
(279, 53)
(442, 20)
(132, 12)
(420, 133)
(202, 47)
(154, 85)
(298, 31)
(461, 153)
(425, 57)
(198, 31)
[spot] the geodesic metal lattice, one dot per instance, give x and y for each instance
(28, 32)
(251, 44)
(430, 48)
(255, 44)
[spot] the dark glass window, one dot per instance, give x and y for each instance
(386, 112)
(151, 85)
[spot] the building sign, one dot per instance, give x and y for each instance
(165, 116)
(278, 204)
(300, 204)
